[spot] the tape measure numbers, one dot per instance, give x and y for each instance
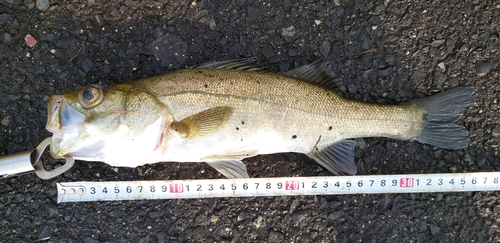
(279, 186)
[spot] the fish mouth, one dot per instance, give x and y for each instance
(60, 115)
(65, 123)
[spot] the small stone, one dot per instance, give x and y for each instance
(253, 13)
(7, 38)
(335, 216)
(450, 45)
(325, 48)
(234, 50)
(439, 77)
(300, 216)
(318, 22)
(200, 220)
(367, 43)
(5, 121)
(416, 77)
(434, 229)
(87, 65)
(13, 1)
(258, 222)
(360, 142)
(352, 88)
(390, 58)
(99, 20)
(442, 66)
(4, 18)
(275, 237)
(288, 33)
(463, 48)
(30, 40)
(484, 36)
(495, 132)
(471, 212)
(483, 67)
(335, 21)
(267, 51)
(467, 158)
(481, 162)
(42, 4)
(387, 200)
(210, 21)
(44, 232)
(51, 209)
(496, 209)
(436, 43)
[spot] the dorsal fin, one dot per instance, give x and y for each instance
(244, 64)
(317, 73)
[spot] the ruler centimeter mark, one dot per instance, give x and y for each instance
(277, 186)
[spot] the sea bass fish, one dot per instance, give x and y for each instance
(223, 112)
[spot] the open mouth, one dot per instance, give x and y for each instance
(64, 122)
(53, 117)
(61, 115)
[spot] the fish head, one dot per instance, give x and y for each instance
(97, 123)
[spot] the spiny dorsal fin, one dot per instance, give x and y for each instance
(337, 158)
(244, 64)
(203, 123)
(317, 73)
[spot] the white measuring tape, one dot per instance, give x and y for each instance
(279, 186)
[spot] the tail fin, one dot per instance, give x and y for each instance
(442, 111)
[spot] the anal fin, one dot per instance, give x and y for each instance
(232, 169)
(337, 158)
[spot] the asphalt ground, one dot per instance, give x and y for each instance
(382, 52)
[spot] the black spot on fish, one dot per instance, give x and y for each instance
(199, 71)
(237, 128)
(242, 139)
(206, 86)
(243, 122)
(330, 128)
(294, 136)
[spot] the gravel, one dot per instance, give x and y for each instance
(383, 52)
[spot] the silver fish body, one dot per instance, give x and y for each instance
(223, 112)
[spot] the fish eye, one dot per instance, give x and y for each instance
(90, 96)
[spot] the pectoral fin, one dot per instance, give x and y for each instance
(337, 158)
(203, 123)
(230, 168)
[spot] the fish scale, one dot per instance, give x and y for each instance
(347, 117)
